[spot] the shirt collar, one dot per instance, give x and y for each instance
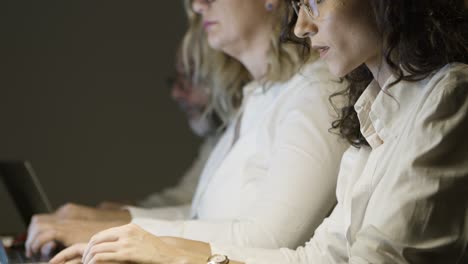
(250, 88)
(379, 108)
(363, 108)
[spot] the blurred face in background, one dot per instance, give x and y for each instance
(193, 101)
(233, 25)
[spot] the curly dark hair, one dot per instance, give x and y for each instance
(419, 37)
(287, 31)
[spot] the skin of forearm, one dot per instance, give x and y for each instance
(123, 215)
(197, 251)
(197, 247)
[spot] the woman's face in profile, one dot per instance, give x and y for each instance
(230, 22)
(343, 31)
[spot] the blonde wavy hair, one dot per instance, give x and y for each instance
(284, 58)
(222, 75)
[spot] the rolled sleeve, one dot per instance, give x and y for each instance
(165, 213)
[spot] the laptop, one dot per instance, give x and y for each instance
(29, 198)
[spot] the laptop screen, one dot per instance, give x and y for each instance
(24, 189)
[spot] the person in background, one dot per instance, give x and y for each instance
(198, 67)
(205, 68)
(277, 152)
(403, 186)
(193, 102)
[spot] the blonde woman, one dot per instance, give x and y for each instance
(277, 150)
(221, 75)
(198, 69)
(270, 180)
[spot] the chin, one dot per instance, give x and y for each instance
(338, 69)
(215, 43)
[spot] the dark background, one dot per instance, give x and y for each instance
(83, 96)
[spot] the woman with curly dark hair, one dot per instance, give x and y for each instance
(403, 186)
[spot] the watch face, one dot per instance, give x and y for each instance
(218, 258)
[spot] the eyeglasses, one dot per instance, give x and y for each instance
(208, 1)
(203, 2)
(310, 6)
(184, 83)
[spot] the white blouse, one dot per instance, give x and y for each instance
(404, 199)
(284, 155)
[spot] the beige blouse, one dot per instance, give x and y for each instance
(405, 198)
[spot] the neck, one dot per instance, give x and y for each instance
(253, 54)
(380, 69)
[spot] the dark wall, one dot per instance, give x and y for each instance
(83, 97)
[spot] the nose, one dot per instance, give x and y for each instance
(199, 6)
(305, 27)
(177, 91)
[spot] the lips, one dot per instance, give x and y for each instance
(208, 24)
(322, 50)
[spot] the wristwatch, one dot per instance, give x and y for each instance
(218, 259)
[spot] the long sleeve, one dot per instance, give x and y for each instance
(328, 244)
(178, 212)
(282, 199)
(420, 211)
(327, 247)
(406, 200)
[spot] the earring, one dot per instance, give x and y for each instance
(269, 7)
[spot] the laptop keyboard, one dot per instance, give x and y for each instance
(19, 256)
(16, 256)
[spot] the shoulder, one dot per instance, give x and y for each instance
(313, 82)
(447, 91)
(448, 79)
(316, 77)
(310, 90)
(441, 120)
(453, 72)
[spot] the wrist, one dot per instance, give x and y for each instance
(117, 216)
(218, 259)
(189, 259)
(125, 215)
